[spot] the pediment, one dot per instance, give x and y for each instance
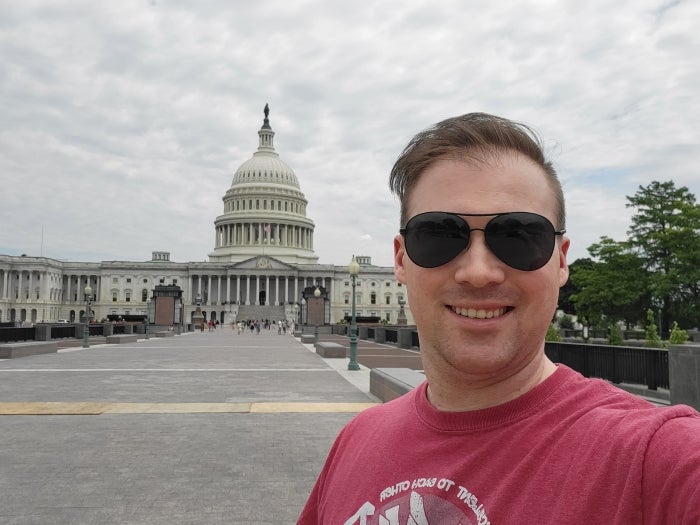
(263, 262)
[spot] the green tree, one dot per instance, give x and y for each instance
(665, 234)
(569, 289)
(614, 287)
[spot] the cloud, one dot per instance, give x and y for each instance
(124, 123)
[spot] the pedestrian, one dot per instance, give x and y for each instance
(498, 433)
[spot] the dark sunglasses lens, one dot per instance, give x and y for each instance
(523, 241)
(433, 239)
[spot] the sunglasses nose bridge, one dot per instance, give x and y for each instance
(469, 247)
(477, 264)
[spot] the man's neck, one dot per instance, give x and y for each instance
(461, 393)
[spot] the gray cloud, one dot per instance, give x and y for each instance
(123, 123)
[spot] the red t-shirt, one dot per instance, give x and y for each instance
(570, 451)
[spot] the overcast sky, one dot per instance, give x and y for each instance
(122, 123)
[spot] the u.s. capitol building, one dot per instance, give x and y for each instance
(263, 265)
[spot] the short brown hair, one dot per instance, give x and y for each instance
(473, 137)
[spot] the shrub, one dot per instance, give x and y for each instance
(552, 334)
(615, 335)
(678, 336)
(651, 334)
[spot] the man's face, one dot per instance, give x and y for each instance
(476, 315)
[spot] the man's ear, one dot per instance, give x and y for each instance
(399, 254)
(563, 265)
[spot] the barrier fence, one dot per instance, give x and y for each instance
(618, 364)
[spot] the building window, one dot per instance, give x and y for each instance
(128, 297)
(128, 279)
(145, 280)
(388, 316)
(347, 299)
(114, 297)
(174, 281)
(388, 299)
(347, 283)
(373, 298)
(144, 295)
(115, 280)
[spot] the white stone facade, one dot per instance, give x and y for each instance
(39, 289)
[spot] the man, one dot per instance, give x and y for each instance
(498, 433)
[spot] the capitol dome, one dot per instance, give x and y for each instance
(264, 167)
(264, 210)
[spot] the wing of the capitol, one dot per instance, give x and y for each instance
(263, 266)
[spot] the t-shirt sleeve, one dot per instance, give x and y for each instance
(671, 477)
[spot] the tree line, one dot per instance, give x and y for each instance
(656, 268)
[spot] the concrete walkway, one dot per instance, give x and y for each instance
(201, 428)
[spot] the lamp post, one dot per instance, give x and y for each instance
(296, 315)
(88, 300)
(317, 294)
(146, 327)
(353, 270)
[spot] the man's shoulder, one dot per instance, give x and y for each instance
(604, 408)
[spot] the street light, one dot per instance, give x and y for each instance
(296, 314)
(317, 294)
(353, 270)
(88, 300)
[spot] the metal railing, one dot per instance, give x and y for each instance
(9, 335)
(63, 331)
(619, 364)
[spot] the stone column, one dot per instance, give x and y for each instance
(277, 289)
(684, 374)
(247, 289)
(238, 288)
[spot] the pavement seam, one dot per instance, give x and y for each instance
(36, 408)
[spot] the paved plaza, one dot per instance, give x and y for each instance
(202, 428)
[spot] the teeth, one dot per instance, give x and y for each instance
(473, 313)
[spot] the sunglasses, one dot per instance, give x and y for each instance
(520, 239)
